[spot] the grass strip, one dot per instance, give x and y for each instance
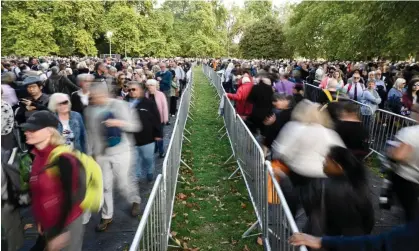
(210, 212)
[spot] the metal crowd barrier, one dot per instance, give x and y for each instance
(153, 232)
(150, 234)
(382, 125)
(250, 159)
(282, 224)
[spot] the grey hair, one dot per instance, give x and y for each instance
(399, 82)
(82, 65)
(53, 101)
(99, 88)
(136, 83)
(113, 69)
(55, 70)
(85, 77)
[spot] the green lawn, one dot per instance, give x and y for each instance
(210, 212)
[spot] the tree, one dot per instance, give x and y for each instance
(263, 39)
(354, 30)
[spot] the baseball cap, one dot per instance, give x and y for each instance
(40, 120)
(32, 80)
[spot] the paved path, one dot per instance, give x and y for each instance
(122, 230)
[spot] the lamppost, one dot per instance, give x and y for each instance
(109, 35)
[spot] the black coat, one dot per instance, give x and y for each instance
(335, 207)
(150, 119)
(76, 104)
(58, 83)
(261, 98)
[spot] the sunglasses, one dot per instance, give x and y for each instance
(64, 103)
(132, 90)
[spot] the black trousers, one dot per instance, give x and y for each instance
(407, 192)
(173, 105)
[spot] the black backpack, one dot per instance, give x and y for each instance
(16, 167)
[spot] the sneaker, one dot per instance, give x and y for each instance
(162, 155)
(173, 115)
(135, 210)
(103, 225)
(168, 123)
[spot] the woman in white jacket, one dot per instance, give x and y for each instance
(305, 141)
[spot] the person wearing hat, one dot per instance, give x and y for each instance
(36, 101)
(58, 217)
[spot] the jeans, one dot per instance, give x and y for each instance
(159, 143)
(145, 161)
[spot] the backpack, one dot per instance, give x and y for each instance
(93, 185)
(112, 135)
(329, 96)
(16, 167)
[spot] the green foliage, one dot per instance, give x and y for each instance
(263, 39)
(354, 30)
(314, 29)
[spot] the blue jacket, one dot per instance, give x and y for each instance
(404, 238)
(166, 80)
(79, 131)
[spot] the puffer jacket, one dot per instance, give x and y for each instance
(243, 107)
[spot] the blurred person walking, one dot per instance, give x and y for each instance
(57, 212)
(112, 148)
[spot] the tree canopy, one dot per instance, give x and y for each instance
(311, 29)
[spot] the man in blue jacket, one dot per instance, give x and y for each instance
(165, 78)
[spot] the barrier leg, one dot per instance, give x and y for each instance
(229, 158)
(223, 136)
(183, 162)
(368, 155)
(235, 171)
(178, 245)
(248, 231)
(222, 128)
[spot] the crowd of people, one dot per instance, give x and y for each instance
(318, 148)
(71, 127)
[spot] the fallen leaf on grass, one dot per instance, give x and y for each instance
(225, 242)
(173, 233)
(194, 249)
(260, 241)
(181, 196)
(174, 215)
(243, 205)
(246, 248)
